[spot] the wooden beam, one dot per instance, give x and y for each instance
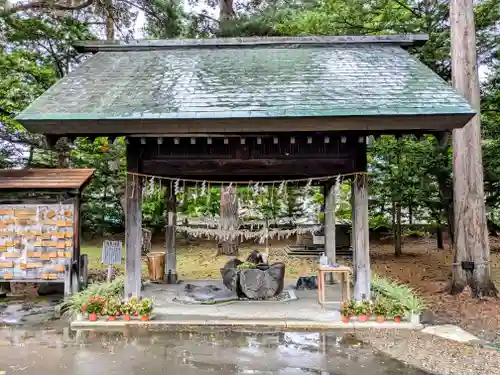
(133, 226)
(383, 123)
(330, 223)
(362, 283)
(256, 171)
(171, 222)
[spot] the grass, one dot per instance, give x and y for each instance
(199, 261)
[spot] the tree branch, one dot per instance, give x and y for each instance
(207, 17)
(413, 11)
(46, 4)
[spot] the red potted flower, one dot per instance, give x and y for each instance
(83, 309)
(348, 310)
(380, 309)
(94, 307)
(397, 311)
(362, 310)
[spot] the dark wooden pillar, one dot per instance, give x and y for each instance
(330, 244)
(133, 225)
(329, 212)
(77, 235)
(229, 221)
(170, 228)
(361, 239)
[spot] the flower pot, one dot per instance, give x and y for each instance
(415, 318)
(111, 317)
(346, 319)
(397, 319)
(80, 317)
(362, 318)
(92, 317)
(380, 319)
(144, 317)
(126, 317)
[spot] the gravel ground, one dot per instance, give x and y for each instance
(433, 354)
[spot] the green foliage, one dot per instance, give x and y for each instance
(246, 266)
(145, 307)
(362, 308)
(129, 307)
(153, 209)
(490, 117)
(164, 19)
(401, 295)
(349, 307)
(112, 306)
(396, 309)
(205, 205)
(102, 211)
(73, 304)
(381, 306)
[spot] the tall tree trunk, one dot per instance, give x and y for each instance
(226, 14)
(397, 208)
(228, 243)
(63, 152)
(446, 185)
(471, 261)
(226, 10)
(410, 211)
(110, 24)
(439, 235)
(30, 157)
(450, 217)
(397, 230)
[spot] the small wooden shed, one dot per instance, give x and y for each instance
(40, 225)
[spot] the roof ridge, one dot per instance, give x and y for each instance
(93, 46)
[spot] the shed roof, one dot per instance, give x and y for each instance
(124, 89)
(25, 179)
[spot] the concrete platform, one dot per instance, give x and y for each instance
(305, 307)
(303, 313)
(191, 322)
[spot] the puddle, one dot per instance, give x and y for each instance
(136, 351)
(31, 312)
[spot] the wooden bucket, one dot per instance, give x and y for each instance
(156, 267)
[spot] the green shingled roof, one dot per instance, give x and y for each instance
(364, 79)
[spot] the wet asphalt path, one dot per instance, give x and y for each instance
(43, 352)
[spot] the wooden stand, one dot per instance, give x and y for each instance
(345, 275)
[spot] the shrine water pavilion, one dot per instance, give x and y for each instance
(249, 109)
